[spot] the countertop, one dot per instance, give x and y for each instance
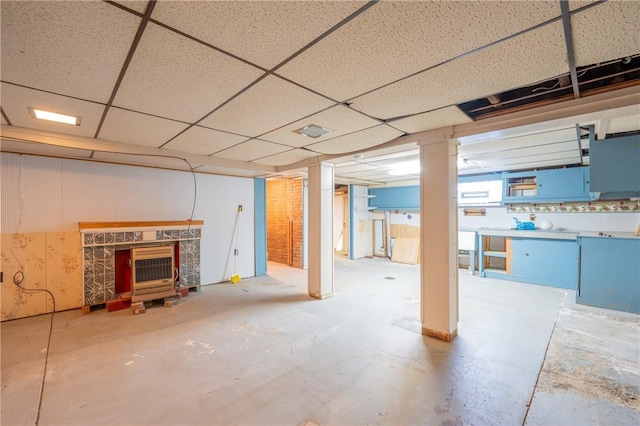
(594, 234)
(551, 234)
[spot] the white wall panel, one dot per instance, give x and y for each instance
(89, 191)
(217, 205)
(31, 186)
(139, 194)
(59, 193)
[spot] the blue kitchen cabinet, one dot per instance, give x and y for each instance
(570, 184)
(547, 186)
(615, 167)
(549, 262)
(610, 273)
(395, 198)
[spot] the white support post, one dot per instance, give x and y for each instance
(439, 239)
(320, 244)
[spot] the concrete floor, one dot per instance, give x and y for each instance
(262, 352)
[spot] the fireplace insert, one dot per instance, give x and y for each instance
(152, 269)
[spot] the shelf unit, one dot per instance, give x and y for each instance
(496, 257)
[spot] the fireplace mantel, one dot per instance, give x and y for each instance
(101, 240)
(137, 225)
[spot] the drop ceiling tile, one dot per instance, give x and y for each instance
(174, 77)
(286, 158)
(534, 56)
(137, 5)
(43, 149)
(577, 4)
(138, 129)
(356, 141)
(200, 140)
(270, 104)
(449, 116)
(264, 33)
(65, 47)
(340, 119)
(606, 31)
(16, 100)
(624, 124)
(251, 150)
(395, 39)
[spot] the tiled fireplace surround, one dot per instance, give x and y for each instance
(100, 240)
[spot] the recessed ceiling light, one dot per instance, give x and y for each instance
(54, 116)
(313, 131)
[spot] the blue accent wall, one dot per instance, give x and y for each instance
(260, 218)
(395, 198)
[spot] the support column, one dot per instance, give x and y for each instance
(439, 239)
(320, 272)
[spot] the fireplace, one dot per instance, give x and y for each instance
(152, 269)
(104, 242)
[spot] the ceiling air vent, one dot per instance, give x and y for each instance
(313, 131)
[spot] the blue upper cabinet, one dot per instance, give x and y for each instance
(395, 198)
(546, 186)
(615, 167)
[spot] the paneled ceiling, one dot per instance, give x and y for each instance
(224, 84)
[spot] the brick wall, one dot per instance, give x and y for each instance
(284, 221)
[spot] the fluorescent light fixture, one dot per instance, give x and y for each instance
(54, 116)
(405, 168)
(313, 131)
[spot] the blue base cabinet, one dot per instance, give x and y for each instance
(546, 262)
(610, 273)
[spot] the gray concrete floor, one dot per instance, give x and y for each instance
(262, 352)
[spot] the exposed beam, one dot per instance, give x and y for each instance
(21, 134)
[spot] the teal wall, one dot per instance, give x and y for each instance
(260, 218)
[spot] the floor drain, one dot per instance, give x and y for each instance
(389, 278)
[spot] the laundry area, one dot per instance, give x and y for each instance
(262, 352)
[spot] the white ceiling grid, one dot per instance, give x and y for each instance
(263, 33)
(192, 77)
(201, 140)
(71, 48)
(138, 129)
(205, 78)
(534, 56)
(271, 103)
(396, 39)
